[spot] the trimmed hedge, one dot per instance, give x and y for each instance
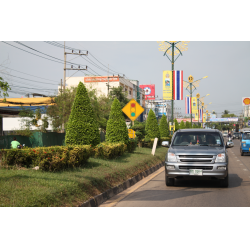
(48, 158)
(108, 150)
(164, 132)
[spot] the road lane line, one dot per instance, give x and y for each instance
(113, 203)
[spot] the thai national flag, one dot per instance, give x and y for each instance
(178, 85)
(188, 105)
(201, 115)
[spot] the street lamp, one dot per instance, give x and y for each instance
(200, 100)
(173, 48)
(190, 86)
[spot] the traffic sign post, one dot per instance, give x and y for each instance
(133, 109)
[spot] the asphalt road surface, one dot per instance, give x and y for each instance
(152, 191)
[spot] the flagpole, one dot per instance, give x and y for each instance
(172, 87)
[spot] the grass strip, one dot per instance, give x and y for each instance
(30, 188)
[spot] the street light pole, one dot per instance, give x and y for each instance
(177, 48)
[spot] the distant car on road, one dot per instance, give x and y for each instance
(236, 135)
(225, 134)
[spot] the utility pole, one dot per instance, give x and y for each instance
(64, 73)
(65, 54)
(61, 86)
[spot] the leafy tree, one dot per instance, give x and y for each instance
(164, 132)
(226, 112)
(82, 128)
(60, 112)
(182, 125)
(4, 87)
(152, 128)
(177, 127)
(229, 115)
(188, 124)
(117, 92)
(116, 126)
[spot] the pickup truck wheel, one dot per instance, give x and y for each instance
(224, 182)
(169, 181)
(241, 153)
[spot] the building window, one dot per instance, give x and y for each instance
(130, 92)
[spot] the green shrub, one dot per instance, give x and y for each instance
(131, 145)
(152, 128)
(164, 132)
(106, 150)
(82, 127)
(182, 125)
(116, 126)
(48, 158)
(139, 128)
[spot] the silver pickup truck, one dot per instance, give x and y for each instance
(199, 153)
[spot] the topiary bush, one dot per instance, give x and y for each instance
(106, 150)
(131, 145)
(182, 125)
(152, 128)
(82, 127)
(164, 132)
(177, 126)
(116, 126)
(51, 159)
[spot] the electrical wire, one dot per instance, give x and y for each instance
(28, 74)
(28, 79)
(59, 60)
(89, 60)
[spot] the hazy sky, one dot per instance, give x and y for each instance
(225, 63)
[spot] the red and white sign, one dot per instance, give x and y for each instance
(185, 119)
(149, 91)
(101, 79)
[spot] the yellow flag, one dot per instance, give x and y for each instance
(167, 85)
(194, 105)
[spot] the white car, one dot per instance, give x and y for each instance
(225, 134)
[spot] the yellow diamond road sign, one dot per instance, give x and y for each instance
(133, 109)
(131, 133)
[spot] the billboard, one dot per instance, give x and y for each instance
(167, 85)
(229, 119)
(161, 109)
(101, 78)
(149, 91)
(245, 101)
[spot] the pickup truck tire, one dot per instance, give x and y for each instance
(241, 153)
(224, 182)
(169, 181)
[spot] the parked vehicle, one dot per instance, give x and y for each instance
(245, 143)
(196, 152)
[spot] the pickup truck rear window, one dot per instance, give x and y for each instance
(198, 139)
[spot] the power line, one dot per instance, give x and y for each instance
(29, 79)
(89, 60)
(59, 60)
(28, 74)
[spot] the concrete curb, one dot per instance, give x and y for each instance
(100, 198)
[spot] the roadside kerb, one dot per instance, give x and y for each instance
(100, 198)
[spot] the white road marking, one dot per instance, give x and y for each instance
(245, 169)
(241, 164)
(238, 160)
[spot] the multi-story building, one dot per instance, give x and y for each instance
(104, 84)
(159, 107)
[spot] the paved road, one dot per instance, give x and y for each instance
(153, 192)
